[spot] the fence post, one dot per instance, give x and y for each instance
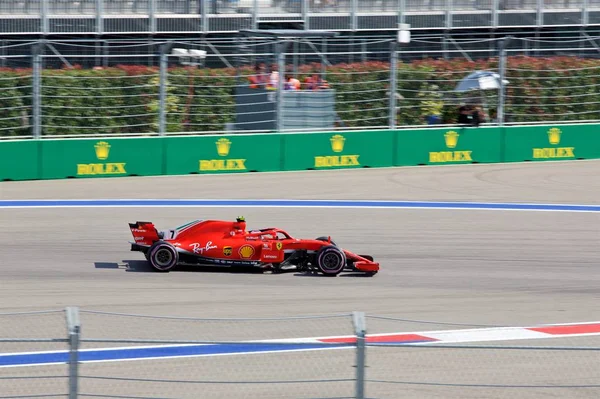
(74, 329)
(204, 11)
(162, 93)
(502, 73)
(152, 15)
(393, 84)
(360, 329)
(353, 15)
(100, 17)
(449, 14)
(539, 20)
(45, 11)
(281, 48)
(304, 10)
(36, 82)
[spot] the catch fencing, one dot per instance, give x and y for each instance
(76, 353)
(200, 87)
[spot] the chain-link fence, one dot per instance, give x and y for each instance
(92, 354)
(34, 334)
(292, 84)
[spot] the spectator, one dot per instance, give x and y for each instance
(273, 78)
(315, 82)
(478, 116)
(292, 83)
(464, 115)
(259, 79)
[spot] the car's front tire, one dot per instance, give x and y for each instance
(330, 260)
(162, 256)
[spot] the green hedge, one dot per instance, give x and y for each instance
(124, 99)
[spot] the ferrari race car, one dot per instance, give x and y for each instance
(227, 243)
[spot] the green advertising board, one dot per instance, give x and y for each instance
(449, 146)
(19, 160)
(106, 157)
(552, 143)
(338, 150)
(223, 154)
(148, 156)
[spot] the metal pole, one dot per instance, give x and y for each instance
(324, 60)
(305, 11)
(295, 57)
(281, 69)
(152, 15)
(204, 8)
(164, 63)
(74, 329)
(45, 13)
(401, 8)
(254, 14)
(360, 330)
(354, 16)
(36, 82)
(449, 14)
(105, 53)
(363, 50)
(502, 73)
(100, 17)
(393, 84)
(445, 40)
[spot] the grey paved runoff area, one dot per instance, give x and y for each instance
(467, 267)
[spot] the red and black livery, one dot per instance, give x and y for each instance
(227, 243)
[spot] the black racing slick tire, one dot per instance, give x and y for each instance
(162, 256)
(330, 260)
(326, 239)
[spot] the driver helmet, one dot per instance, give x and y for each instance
(240, 224)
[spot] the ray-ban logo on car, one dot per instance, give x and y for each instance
(199, 249)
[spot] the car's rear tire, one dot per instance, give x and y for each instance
(326, 239)
(162, 256)
(330, 260)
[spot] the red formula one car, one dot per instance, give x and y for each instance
(227, 243)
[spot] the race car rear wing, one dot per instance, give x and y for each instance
(144, 233)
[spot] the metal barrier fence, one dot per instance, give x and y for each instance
(380, 85)
(84, 17)
(76, 353)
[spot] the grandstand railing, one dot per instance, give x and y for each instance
(46, 93)
(211, 16)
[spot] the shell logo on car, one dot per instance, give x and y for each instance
(246, 251)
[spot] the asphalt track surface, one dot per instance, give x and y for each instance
(455, 266)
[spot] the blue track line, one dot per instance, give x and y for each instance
(296, 204)
(45, 358)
